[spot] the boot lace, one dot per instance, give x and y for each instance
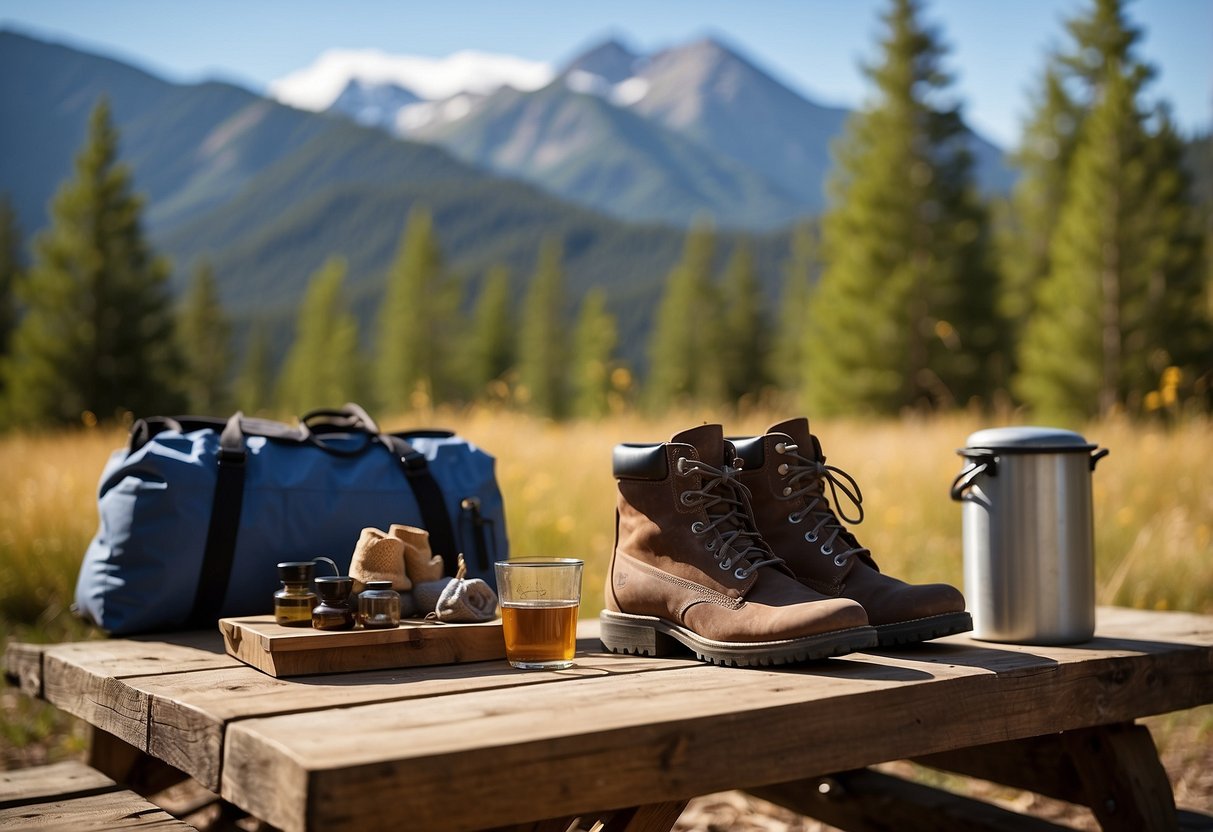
(725, 500)
(805, 478)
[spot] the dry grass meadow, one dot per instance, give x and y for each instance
(1153, 517)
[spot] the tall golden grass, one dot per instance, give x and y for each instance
(1153, 500)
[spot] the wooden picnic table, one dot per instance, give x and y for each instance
(631, 739)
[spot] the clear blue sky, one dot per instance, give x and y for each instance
(813, 45)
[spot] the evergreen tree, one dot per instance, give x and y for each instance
(10, 271)
(97, 333)
(683, 347)
(322, 368)
(254, 382)
(490, 343)
(788, 357)
(904, 311)
(416, 319)
(743, 349)
(1044, 161)
(1121, 301)
(541, 345)
(204, 334)
(594, 343)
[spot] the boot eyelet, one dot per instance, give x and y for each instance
(687, 498)
(811, 537)
(711, 546)
(787, 491)
(741, 574)
(680, 466)
(698, 526)
(827, 549)
(726, 564)
(794, 518)
(840, 561)
(783, 469)
(779, 447)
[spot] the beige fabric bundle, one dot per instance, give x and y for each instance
(420, 563)
(379, 556)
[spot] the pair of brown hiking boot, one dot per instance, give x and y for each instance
(732, 548)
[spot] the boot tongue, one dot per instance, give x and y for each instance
(708, 440)
(798, 429)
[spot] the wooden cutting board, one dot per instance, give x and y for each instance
(301, 651)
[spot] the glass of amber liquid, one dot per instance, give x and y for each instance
(539, 601)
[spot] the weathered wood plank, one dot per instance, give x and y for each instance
(55, 781)
(129, 765)
(189, 712)
(23, 665)
(866, 801)
(85, 678)
(102, 813)
(612, 742)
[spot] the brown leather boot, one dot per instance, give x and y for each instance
(787, 475)
(690, 568)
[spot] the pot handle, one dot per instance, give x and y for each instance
(1098, 455)
(977, 464)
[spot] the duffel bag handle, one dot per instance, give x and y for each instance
(348, 419)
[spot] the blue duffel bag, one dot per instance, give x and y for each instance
(197, 512)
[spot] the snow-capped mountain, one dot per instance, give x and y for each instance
(697, 128)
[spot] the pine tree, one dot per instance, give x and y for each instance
(594, 342)
(1121, 301)
(97, 334)
(255, 380)
(1044, 161)
(743, 349)
(204, 333)
(490, 343)
(10, 272)
(323, 366)
(788, 358)
(904, 311)
(542, 339)
(683, 346)
(416, 319)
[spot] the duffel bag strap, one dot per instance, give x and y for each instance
(220, 549)
(429, 499)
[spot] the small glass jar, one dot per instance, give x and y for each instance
(333, 612)
(379, 606)
(293, 603)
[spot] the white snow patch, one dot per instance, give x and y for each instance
(317, 86)
(626, 93)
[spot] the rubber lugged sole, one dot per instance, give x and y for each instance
(644, 635)
(923, 629)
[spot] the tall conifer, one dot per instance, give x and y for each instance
(594, 342)
(323, 367)
(415, 319)
(745, 333)
(542, 357)
(904, 311)
(788, 357)
(683, 346)
(204, 333)
(490, 344)
(254, 383)
(1121, 300)
(97, 333)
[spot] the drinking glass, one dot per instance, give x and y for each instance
(539, 601)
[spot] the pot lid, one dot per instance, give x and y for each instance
(1028, 439)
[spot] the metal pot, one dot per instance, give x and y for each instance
(1029, 554)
